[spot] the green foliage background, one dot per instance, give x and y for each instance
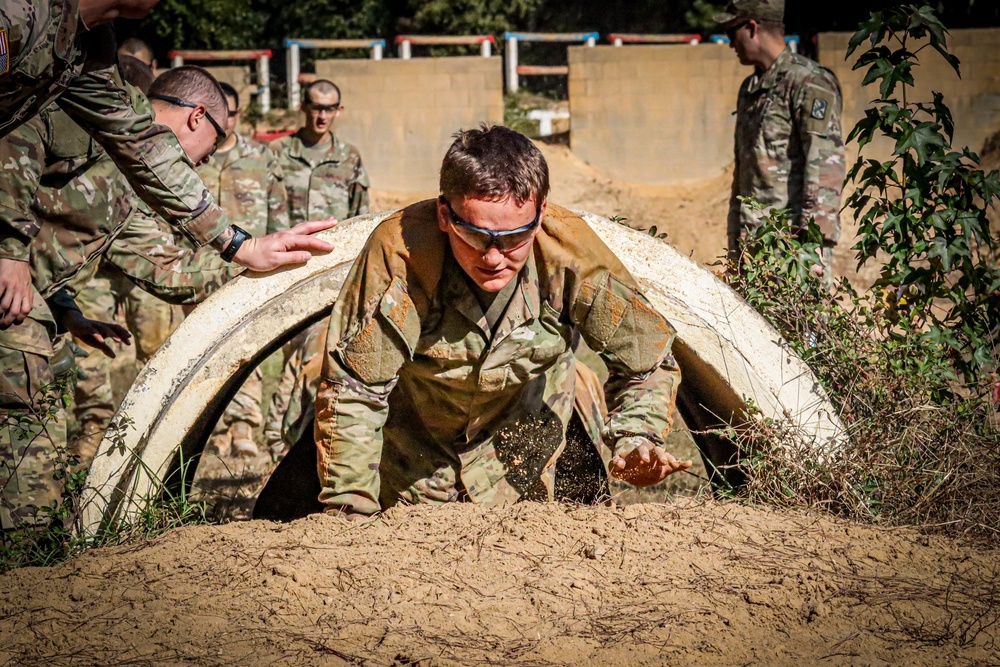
(232, 24)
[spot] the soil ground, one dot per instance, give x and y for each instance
(691, 582)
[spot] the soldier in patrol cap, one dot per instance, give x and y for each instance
(449, 371)
(789, 146)
(63, 51)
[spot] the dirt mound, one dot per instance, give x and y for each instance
(695, 582)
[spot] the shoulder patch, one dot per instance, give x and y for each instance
(819, 106)
(4, 53)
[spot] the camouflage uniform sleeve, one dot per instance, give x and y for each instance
(373, 331)
(148, 154)
(22, 156)
(635, 341)
(733, 220)
(818, 107)
(277, 195)
(359, 191)
(148, 256)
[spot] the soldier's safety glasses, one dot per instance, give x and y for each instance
(732, 30)
(483, 239)
(176, 101)
(321, 107)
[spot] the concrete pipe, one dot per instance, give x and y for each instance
(726, 351)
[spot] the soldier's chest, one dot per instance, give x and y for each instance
(763, 117)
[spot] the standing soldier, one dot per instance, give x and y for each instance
(323, 174)
(325, 178)
(247, 182)
(789, 147)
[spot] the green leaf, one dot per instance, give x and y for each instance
(922, 140)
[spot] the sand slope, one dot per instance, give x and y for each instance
(693, 583)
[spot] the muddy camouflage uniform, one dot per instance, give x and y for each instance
(419, 402)
(248, 184)
(51, 57)
(336, 186)
(789, 148)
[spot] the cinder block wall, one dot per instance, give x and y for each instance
(401, 113)
(654, 114)
(664, 114)
(237, 76)
(974, 99)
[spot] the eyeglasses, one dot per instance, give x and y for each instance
(322, 107)
(220, 133)
(731, 31)
(482, 239)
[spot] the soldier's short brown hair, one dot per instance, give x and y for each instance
(136, 72)
(192, 84)
(494, 163)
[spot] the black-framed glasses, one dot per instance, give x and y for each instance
(482, 239)
(322, 107)
(221, 134)
(732, 30)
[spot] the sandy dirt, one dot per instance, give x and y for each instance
(693, 583)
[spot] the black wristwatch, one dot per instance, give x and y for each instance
(239, 236)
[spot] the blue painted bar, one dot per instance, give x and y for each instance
(552, 36)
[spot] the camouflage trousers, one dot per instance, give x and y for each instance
(32, 438)
(296, 388)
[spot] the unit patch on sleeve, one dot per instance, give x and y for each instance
(819, 108)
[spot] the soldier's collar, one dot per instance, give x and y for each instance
(772, 74)
(336, 151)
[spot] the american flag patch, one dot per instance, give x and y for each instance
(4, 55)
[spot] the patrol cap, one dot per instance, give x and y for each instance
(744, 10)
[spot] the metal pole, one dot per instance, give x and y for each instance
(377, 51)
(294, 90)
(511, 56)
(618, 41)
(591, 41)
(404, 49)
(485, 48)
(177, 61)
(264, 84)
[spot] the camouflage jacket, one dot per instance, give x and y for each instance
(789, 147)
(77, 199)
(49, 58)
(337, 186)
(248, 184)
(419, 401)
(147, 253)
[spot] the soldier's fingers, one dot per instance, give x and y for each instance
(305, 242)
(643, 453)
(617, 462)
(313, 226)
(95, 340)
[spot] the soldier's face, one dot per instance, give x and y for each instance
(491, 269)
(741, 40)
(321, 110)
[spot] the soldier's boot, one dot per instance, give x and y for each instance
(219, 444)
(243, 444)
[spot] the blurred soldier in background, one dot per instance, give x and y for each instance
(789, 146)
(138, 49)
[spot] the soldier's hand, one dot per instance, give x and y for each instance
(94, 333)
(289, 246)
(15, 292)
(645, 465)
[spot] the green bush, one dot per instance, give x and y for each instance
(910, 363)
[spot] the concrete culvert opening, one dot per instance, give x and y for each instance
(726, 351)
